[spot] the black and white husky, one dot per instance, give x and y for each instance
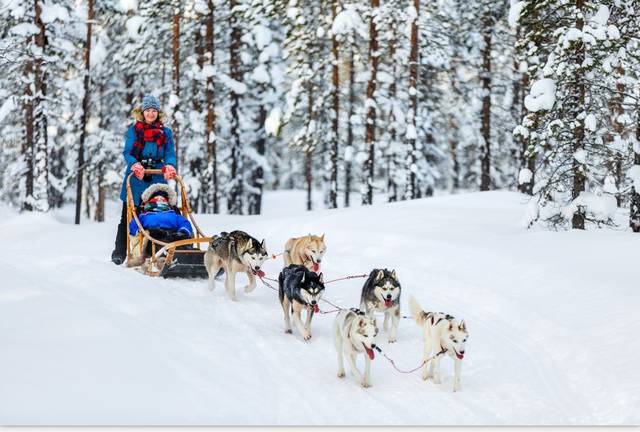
(354, 333)
(381, 293)
(299, 288)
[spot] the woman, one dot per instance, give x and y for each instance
(148, 145)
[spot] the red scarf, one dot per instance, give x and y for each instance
(147, 132)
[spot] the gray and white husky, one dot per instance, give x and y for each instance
(354, 333)
(235, 252)
(381, 293)
(299, 288)
(442, 334)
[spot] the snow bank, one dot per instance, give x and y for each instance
(347, 21)
(634, 175)
(542, 95)
(525, 176)
(87, 342)
(7, 107)
(51, 12)
(514, 13)
(599, 207)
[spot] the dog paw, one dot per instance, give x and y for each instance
(425, 377)
(436, 380)
(456, 386)
(340, 374)
(288, 331)
(392, 340)
(365, 384)
(306, 336)
(249, 288)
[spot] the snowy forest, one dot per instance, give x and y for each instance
(397, 99)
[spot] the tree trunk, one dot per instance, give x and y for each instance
(370, 105)
(485, 158)
(333, 181)
(176, 79)
(634, 207)
(41, 151)
(578, 169)
(617, 109)
(392, 186)
(257, 176)
(85, 112)
(28, 145)
(100, 169)
(308, 155)
(212, 157)
(412, 156)
(352, 98)
(527, 153)
(234, 205)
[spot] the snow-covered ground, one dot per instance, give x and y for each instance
(553, 321)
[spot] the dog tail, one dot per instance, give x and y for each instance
(417, 313)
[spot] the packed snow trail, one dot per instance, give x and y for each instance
(552, 317)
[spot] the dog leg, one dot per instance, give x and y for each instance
(287, 319)
(212, 277)
(456, 375)
(307, 324)
(367, 372)
(252, 282)
(425, 370)
(385, 325)
(354, 370)
(230, 284)
(395, 320)
(435, 370)
(297, 309)
(338, 342)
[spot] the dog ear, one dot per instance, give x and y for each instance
(380, 275)
(322, 237)
(263, 245)
(303, 275)
(393, 274)
(320, 277)
(361, 323)
(462, 326)
(249, 244)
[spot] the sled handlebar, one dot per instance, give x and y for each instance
(152, 171)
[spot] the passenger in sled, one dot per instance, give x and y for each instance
(158, 215)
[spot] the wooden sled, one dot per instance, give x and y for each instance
(178, 259)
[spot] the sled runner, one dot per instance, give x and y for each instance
(173, 259)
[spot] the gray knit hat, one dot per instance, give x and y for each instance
(150, 101)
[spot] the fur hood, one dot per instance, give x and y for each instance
(137, 115)
(173, 198)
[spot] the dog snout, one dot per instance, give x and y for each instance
(373, 346)
(257, 267)
(462, 352)
(389, 296)
(313, 302)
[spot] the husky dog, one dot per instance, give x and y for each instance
(235, 252)
(307, 251)
(299, 289)
(442, 334)
(355, 333)
(381, 293)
